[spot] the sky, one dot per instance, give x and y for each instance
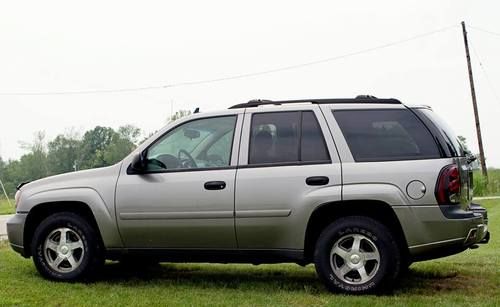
(53, 46)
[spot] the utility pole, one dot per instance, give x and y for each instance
(474, 104)
(5, 193)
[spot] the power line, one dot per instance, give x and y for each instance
(485, 73)
(82, 92)
(485, 31)
(233, 77)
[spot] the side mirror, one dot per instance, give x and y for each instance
(138, 164)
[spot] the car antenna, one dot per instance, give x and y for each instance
(197, 110)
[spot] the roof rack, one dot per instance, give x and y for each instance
(359, 99)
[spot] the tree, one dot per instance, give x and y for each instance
(103, 146)
(179, 114)
(474, 164)
(33, 165)
(463, 142)
(130, 133)
(123, 143)
(64, 154)
(93, 145)
(2, 166)
(2, 173)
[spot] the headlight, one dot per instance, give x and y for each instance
(16, 198)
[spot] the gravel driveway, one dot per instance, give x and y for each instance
(3, 226)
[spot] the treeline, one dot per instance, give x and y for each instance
(101, 146)
(98, 147)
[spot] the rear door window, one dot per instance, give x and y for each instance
(286, 137)
(386, 135)
(313, 146)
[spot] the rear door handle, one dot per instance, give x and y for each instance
(215, 185)
(317, 180)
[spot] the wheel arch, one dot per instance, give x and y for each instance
(41, 211)
(83, 201)
(327, 213)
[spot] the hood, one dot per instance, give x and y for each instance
(86, 178)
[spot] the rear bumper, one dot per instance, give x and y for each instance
(436, 234)
(482, 235)
(478, 235)
(15, 232)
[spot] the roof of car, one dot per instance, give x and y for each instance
(357, 99)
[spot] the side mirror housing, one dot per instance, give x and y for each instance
(138, 164)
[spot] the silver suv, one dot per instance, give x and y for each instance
(360, 187)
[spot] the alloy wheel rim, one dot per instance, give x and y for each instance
(355, 259)
(63, 250)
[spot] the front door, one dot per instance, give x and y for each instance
(185, 199)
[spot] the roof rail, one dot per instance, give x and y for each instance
(359, 99)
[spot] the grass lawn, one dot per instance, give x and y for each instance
(490, 189)
(5, 207)
(470, 278)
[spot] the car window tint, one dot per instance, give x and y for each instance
(218, 152)
(202, 143)
(385, 135)
(280, 137)
(274, 137)
(313, 146)
(452, 142)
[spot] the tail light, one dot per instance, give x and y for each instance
(448, 185)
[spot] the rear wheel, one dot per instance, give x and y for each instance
(357, 254)
(66, 247)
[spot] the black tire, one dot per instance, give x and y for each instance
(373, 236)
(404, 270)
(91, 253)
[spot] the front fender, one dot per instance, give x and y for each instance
(105, 219)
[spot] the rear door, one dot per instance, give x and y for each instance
(288, 165)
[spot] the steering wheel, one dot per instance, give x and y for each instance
(157, 163)
(189, 158)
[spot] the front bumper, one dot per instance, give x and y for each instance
(15, 232)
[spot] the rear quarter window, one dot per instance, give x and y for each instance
(450, 140)
(386, 135)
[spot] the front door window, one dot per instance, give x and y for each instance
(203, 143)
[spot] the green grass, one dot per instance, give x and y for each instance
(5, 207)
(469, 279)
(490, 189)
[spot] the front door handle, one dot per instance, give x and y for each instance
(215, 185)
(317, 180)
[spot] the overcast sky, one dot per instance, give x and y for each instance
(68, 45)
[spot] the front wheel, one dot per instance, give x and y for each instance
(357, 255)
(66, 247)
